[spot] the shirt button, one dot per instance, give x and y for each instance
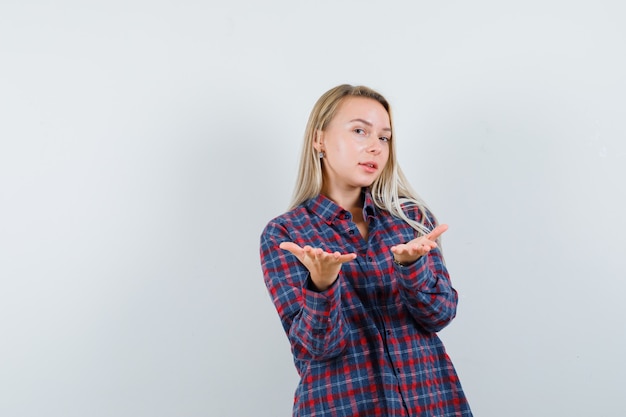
(351, 231)
(369, 258)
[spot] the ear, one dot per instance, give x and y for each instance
(318, 144)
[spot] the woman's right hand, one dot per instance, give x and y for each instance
(323, 266)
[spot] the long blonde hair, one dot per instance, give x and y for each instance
(390, 191)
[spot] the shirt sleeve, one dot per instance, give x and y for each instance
(312, 320)
(426, 291)
(425, 285)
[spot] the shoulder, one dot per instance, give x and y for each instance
(290, 220)
(419, 212)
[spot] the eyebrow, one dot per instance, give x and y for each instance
(387, 129)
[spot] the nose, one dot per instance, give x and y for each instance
(375, 147)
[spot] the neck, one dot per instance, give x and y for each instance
(349, 200)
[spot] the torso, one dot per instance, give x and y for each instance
(361, 224)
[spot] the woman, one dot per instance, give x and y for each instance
(356, 275)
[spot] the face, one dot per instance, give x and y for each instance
(356, 145)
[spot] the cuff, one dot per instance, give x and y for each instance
(320, 304)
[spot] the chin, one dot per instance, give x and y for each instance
(367, 184)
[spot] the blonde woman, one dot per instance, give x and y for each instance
(356, 274)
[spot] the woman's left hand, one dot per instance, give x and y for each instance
(407, 253)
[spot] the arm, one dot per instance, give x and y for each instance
(423, 279)
(426, 291)
(311, 318)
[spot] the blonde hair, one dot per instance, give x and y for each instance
(390, 191)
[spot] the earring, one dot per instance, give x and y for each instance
(321, 154)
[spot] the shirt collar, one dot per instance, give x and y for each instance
(328, 210)
(369, 208)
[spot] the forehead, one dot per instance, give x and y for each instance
(355, 107)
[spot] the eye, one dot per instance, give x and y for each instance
(359, 131)
(385, 139)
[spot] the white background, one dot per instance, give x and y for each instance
(145, 144)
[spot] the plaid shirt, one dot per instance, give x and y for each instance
(367, 346)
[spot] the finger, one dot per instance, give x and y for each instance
(437, 231)
(347, 257)
(291, 247)
(421, 247)
(401, 249)
(310, 251)
(341, 258)
(428, 245)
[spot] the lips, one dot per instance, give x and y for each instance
(369, 166)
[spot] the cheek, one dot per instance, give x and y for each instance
(386, 153)
(386, 160)
(347, 148)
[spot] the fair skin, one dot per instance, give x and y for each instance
(356, 147)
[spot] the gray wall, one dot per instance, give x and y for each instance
(144, 145)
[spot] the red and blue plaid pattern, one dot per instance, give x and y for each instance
(367, 346)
